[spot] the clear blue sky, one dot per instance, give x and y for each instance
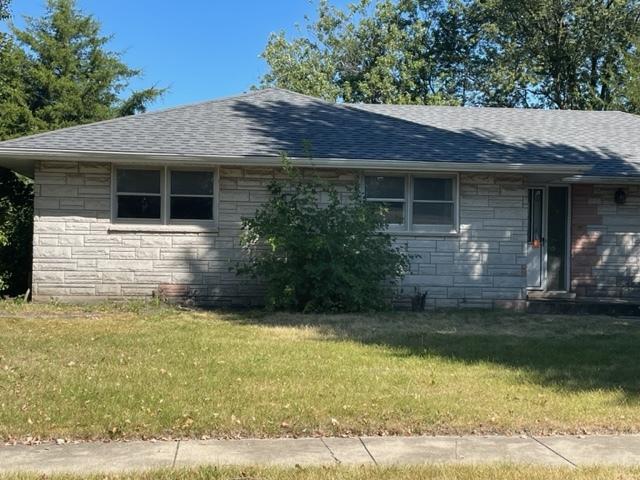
(200, 49)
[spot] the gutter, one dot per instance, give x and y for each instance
(27, 157)
(604, 179)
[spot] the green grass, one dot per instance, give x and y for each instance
(503, 472)
(143, 370)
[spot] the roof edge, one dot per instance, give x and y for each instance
(604, 179)
(81, 126)
(29, 155)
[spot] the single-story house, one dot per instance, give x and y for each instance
(498, 205)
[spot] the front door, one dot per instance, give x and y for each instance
(557, 239)
(535, 239)
(547, 238)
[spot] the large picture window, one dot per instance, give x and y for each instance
(164, 195)
(416, 203)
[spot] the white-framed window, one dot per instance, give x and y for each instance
(138, 194)
(390, 192)
(422, 203)
(191, 195)
(164, 195)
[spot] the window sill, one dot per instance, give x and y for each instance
(138, 228)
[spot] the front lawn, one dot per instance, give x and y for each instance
(143, 370)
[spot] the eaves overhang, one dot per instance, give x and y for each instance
(22, 160)
(604, 179)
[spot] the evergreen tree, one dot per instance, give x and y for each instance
(70, 76)
(54, 73)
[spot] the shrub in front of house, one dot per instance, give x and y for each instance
(320, 249)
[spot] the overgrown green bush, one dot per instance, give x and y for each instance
(319, 250)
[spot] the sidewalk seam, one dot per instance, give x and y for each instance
(175, 455)
(330, 451)
(552, 450)
(367, 450)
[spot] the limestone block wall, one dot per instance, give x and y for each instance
(605, 248)
(80, 255)
(485, 265)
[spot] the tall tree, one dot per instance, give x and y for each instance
(71, 77)
(409, 51)
(540, 53)
(631, 85)
(558, 53)
(56, 72)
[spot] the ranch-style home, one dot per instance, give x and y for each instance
(498, 206)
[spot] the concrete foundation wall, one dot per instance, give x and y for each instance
(80, 255)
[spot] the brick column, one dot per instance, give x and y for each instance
(584, 243)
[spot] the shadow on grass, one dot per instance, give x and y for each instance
(562, 352)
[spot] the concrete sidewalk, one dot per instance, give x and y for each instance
(623, 450)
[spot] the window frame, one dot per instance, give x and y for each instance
(165, 196)
(115, 193)
(407, 227)
(215, 195)
(392, 226)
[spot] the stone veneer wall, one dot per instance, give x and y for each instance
(76, 257)
(605, 246)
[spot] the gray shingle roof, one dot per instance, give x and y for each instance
(268, 122)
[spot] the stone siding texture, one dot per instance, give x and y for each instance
(77, 257)
(605, 247)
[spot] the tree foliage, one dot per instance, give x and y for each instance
(54, 73)
(4, 9)
(317, 252)
(566, 53)
(374, 52)
(577, 54)
(16, 230)
(70, 76)
(631, 86)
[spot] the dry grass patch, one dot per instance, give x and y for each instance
(147, 370)
(504, 472)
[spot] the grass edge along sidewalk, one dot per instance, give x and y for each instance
(142, 370)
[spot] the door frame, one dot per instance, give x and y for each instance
(545, 228)
(567, 247)
(569, 235)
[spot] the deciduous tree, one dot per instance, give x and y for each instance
(579, 54)
(557, 53)
(410, 51)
